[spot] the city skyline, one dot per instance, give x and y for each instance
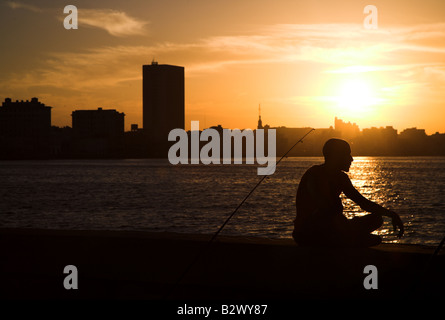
(346, 125)
(305, 62)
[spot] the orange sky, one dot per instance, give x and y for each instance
(304, 61)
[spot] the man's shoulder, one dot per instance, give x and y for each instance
(316, 172)
(343, 178)
(320, 171)
(315, 168)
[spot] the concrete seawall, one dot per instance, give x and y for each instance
(139, 265)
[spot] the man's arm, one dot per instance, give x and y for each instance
(370, 206)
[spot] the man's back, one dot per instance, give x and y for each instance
(318, 201)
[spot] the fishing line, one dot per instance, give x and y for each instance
(228, 219)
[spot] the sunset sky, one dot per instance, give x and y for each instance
(305, 62)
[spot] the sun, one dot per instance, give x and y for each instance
(355, 96)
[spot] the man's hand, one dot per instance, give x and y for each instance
(397, 223)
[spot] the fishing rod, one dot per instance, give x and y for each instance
(201, 253)
(439, 247)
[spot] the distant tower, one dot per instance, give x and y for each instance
(163, 105)
(260, 123)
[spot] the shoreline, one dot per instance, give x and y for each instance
(146, 265)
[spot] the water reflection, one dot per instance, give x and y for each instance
(151, 195)
(370, 178)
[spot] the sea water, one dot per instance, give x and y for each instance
(153, 195)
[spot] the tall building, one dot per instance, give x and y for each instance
(98, 123)
(25, 128)
(98, 133)
(348, 130)
(24, 118)
(163, 105)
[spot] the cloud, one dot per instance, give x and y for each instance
(112, 75)
(421, 31)
(350, 49)
(18, 5)
(384, 68)
(89, 69)
(116, 23)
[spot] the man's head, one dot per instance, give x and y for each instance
(337, 154)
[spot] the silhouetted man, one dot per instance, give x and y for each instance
(320, 219)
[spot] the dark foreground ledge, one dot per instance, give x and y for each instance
(139, 265)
